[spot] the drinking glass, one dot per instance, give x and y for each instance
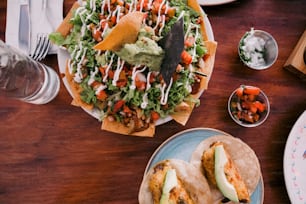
(26, 79)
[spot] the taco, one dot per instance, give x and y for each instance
(116, 56)
(238, 163)
(174, 181)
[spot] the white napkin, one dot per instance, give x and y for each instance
(55, 15)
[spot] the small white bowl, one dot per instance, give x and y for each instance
(232, 110)
(257, 49)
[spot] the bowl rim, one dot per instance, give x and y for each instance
(241, 123)
(258, 67)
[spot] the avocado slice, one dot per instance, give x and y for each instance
(226, 188)
(169, 183)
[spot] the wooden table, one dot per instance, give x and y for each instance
(56, 153)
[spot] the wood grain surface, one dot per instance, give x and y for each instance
(56, 153)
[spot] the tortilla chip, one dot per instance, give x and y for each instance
(208, 66)
(244, 157)
(65, 27)
(182, 115)
(116, 127)
(191, 178)
(126, 31)
(182, 112)
(76, 91)
(196, 6)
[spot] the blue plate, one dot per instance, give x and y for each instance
(182, 145)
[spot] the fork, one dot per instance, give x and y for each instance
(42, 41)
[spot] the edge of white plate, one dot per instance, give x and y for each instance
(214, 2)
(286, 164)
(63, 55)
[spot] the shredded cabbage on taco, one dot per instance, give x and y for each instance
(117, 52)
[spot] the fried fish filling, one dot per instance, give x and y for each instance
(178, 195)
(232, 174)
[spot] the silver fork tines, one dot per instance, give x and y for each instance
(42, 46)
(42, 40)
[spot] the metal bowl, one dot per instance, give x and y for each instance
(248, 49)
(262, 97)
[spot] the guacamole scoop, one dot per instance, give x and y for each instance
(144, 51)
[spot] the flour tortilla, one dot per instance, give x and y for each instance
(191, 177)
(243, 156)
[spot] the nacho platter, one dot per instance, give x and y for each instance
(183, 144)
(63, 56)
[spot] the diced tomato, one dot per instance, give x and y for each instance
(200, 20)
(140, 85)
(126, 109)
(251, 90)
(103, 23)
(186, 57)
(113, 20)
(253, 108)
(154, 115)
(95, 84)
(120, 2)
(122, 79)
(239, 92)
(111, 74)
(171, 12)
(155, 7)
(152, 78)
(102, 70)
(121, 83)
(96, 34)
(189, 41)
(118, 105)
(260, 106)
(102, 95)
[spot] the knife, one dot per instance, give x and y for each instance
(24, 27)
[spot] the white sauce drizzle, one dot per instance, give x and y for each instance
(79, 52)
(181, 15)
(159, 15)
(148, 81)
(133, 4)
(108, 6)
(79, 76)
(145, 99)
(162, 24)
(92, 76)
(164, 96)
(141, 5)
(194, 43)
(93, 5)
(118, 70)
(107, 68)
(102, 7)
(150, 4)
(134, 73)
(116, 13)
(104, 30)
(100, 88)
